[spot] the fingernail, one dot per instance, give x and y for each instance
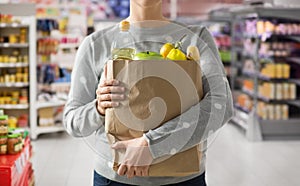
(116, 82)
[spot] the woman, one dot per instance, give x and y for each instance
(89, 98)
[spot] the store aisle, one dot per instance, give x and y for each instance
(232, 161)
(61, 160)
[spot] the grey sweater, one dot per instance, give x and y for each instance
(205, 118)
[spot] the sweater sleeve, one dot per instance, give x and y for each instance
(201, 120)
(81, 117)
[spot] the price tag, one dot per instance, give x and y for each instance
(26, 151)
(18, 165)
(23, 160)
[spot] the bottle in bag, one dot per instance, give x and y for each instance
(123, 45)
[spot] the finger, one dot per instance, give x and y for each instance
(108, 104)
(105, 71)
(119, 145)
(122, 170)
(130, 171)
(145, 171)
(108, 82)
(110, 89)
(138, 171)
(109, 97)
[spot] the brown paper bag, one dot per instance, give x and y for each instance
(157, 92)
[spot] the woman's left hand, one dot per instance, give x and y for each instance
(137, 159)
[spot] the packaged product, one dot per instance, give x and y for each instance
(14, 144)
(3, 125)
(3, 145)
(143, 87)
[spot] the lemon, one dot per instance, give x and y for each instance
(165, 49)
(176, 54)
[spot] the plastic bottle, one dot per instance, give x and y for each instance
(123, 46)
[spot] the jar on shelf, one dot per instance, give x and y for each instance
(19, 77)
(25, 78)
(12, 78)
(23, 121)
(23, 35)
(5, 58)
(12, 122)
(3, 145)
(13, 144)
(3, 125)
(13, 59)
(15, 94)
(23, 100)
(13, 38)
(19, 70)
(25, 58)
(1, 100)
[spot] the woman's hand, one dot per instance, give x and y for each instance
(109, 93)
(137, 159)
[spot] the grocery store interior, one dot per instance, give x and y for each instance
(259, 45)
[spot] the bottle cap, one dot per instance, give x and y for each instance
(4, 117)
(13, 135)
(124, 25)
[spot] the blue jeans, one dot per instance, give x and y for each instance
(102, 181)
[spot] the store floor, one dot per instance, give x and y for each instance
(61, 160)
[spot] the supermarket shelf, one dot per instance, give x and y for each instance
(13, 25)
(258, 129)
(294, 59)
(265, 78)
(240, 118)
(239, 123)
(12, 65)
(273, 36)
(68, 45)
(49, 129)
(241, 109)
(281, 129)
(268, 100)
(10, 106)
(295, 103)
(274, 12)
(294, 37)
(19, 84)
(296, 81)
(40, 105)
(14, 45)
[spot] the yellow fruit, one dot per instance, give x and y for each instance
(176, 54)
(193, 53)
(165, 49)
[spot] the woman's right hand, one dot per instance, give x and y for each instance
(109, 93)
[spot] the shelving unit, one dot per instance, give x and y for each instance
(58, 39)
(18, 63)
(219, 24)
(275, 115)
